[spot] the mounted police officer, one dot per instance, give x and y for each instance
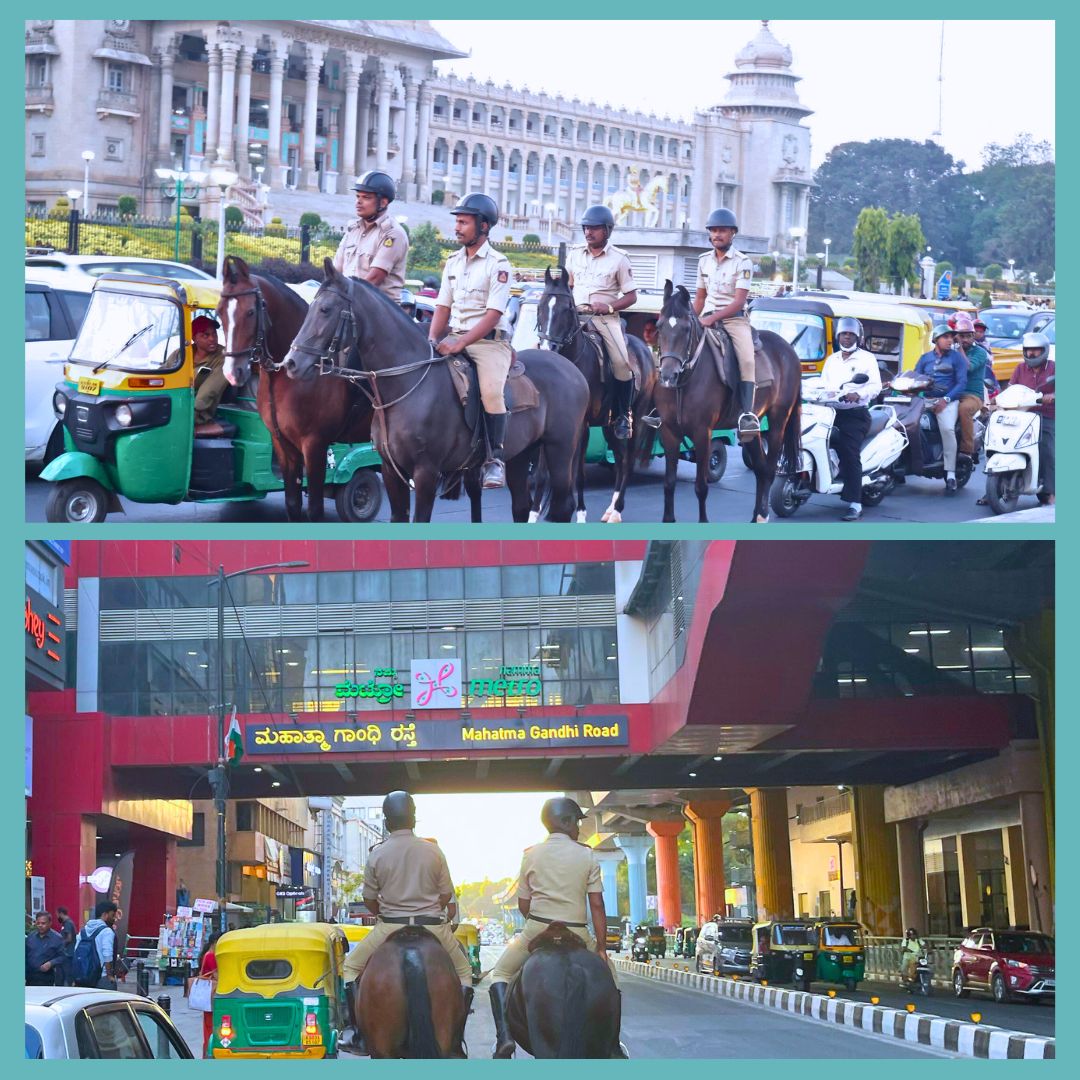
(472, 301)
(555, 879)
(375, 247)
(407, 883)
(723, 285)
(603, 285)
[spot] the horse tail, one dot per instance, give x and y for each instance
(420, 1041)
(451, 486)
(572, 1033)
(793, 436)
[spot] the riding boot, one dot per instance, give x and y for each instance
(504, 1043)
(621, 409)
(494, 470)
(749, 425)
(467, 993)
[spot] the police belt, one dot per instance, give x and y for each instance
(413, 920)
(491, 335)
(540, 918)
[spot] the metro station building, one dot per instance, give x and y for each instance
(883, 713)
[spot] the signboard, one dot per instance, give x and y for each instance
(436, 684)
(120, 892)
(99, 879)
(29, 755)
(61, 547)
(184, 912)
(388, 736)
(205, 906)
(291, 892)
(44, 636)
(37, 895)
(944, 285)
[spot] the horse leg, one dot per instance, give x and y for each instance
(701, 476)
(539, 487)
(580, 475)
(315, 465)
(425, 483)
(292, 475)
(611, 514)
(517, 480)
(474, 490)
(397, 491)
(671, 465)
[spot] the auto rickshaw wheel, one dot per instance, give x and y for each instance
(359, 499)
(717, 461)
(850, 984)
(77, 502)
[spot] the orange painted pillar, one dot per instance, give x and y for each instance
(706, 817)
(772, 852)
(669, 898)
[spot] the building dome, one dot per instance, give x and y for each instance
(763, 84)
(764, 53)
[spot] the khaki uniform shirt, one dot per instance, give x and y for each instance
(556, 875)
(383, 245)
(472, 286)
(720, 278)
(407, 875)
(604, 277)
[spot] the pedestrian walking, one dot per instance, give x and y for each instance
(208, 969)
(95, 962)
(44, 952)
(68, 931)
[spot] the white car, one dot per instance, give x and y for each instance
(93, 266)
(56, 302)
(64, 1022)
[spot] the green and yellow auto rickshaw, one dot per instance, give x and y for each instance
(841, 957)
(127, 406)
(468, 937)
(783, 952)
(280, 992)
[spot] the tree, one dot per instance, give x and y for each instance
(870, 248)
(127, 206)
(531, 238)
(437, 198)
(905, 243)
(1024, 151)
(310, 218)
(993, 272)
(234, 217)
(424, 247)
(352, 886)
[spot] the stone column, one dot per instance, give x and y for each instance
(229, 53)
(243, 111)
(909, 858)
(636, 848)
(877, 877)
(213, 105)
(165, 57)
(1037, 861)
(609, 864)
(970, 899)
(353, 67)
(279, 52)
(364, 128)
(706, 817)
(408, 142)
(383, 90)
(423, 151)
(504, 182)
(772, 852)
(313, 56)
(1016, 876)
(668, 893)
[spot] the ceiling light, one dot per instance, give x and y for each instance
(258, 768)
(718, 757)
(276, 783)
(692, 775)
(99, 838)
(913, 650)
(192, 652)
(987, 648)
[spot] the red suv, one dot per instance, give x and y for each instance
(1009, 964)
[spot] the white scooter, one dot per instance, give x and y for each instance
(819, 465)
(1012, 448)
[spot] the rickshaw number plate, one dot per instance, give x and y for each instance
(311, 1040)
(849, 959)
(89, 386)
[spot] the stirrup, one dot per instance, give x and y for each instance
(748, 421)
(494, 474)
(652, 421)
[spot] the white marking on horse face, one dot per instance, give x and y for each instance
(230, 311)
(673, 322)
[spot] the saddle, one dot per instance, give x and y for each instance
(597, 342)
(519, 391)
(727, 365)
(557, 936)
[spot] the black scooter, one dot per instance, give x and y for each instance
(639, 948)
(923, 981)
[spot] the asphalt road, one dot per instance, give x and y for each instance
(729, 500)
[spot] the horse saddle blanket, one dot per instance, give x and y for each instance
(519, 392)
(559, 936)
(727, 365)
(592, 336)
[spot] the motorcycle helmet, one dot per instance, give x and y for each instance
(939, 331)
(598, 215)
(1039, 342)
(849, 325)
(480, 206)
(722, 219)
(964, 325)
(378, 183)
(560, 814)
(399, 810)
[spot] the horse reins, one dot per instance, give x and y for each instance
(687, 363)
(257, 351)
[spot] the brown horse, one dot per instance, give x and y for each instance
(693, 401)
(410, 1003)
(564, 1002)
(260, 316)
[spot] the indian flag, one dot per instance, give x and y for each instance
(234, 743)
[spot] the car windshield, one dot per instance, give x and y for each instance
(737, 935)
(525, 336)
(805, 333)
(1005, 324)
(129, 332)
(1033, 944)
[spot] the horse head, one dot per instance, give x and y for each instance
(329, 327)
(677, 334)
(556, 318)
(244, 318)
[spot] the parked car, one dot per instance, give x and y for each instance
(93, 266)
(72, 1022)
(1009, 964)
(55, 305)
(723, 946)
(1010, 353)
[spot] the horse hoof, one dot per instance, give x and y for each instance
(613, 518)
(760, 520)
(534, 517)
(580, 517)
(606, 515)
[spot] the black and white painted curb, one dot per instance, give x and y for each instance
(969, 1040)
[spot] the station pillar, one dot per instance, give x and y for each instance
(877, 877)
(636, 848)
(609, 864)
(1038, 864)
(154, 875)
(909, 858)
(669, 898)
(707, 816)
(772, 852)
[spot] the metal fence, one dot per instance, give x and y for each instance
(883, 957)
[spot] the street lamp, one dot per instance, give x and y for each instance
(218, 775)
(796, 232)
(820, 255)
(839, 842)
(87, 156)
(826, 242)
(1012, 263)
(224, 179)
(551, 208)
(180, 192)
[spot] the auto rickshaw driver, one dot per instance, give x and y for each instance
(209, 364)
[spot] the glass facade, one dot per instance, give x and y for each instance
(305, 634)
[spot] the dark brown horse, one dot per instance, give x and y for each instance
(564, 1002)
(354, 330)
(560, 328)
(409, 1003)
(260, 316)
(693, 401)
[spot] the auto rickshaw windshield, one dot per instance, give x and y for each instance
(131, 332)
(792, 935)
(838, 935)
(803, 331)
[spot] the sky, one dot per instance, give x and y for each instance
(863, 79)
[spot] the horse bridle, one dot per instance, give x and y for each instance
(558, 344)
(695, 343)
(258, 351)
(344, 337)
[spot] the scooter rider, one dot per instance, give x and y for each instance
(723, 285)
(979, 372)
(375, 247)
(948, 368)
(472, 301)
(852, 414)
(912, 948)
(603, 286)
(1036, 370)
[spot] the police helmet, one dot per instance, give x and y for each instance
(378, 183)
(598, 215)
(940, 330)
(561, 814)
(399, 810)
(1038, 342)
(849, 325)
(480, 206)
(722, 219)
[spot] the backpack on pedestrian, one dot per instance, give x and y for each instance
(86, 964)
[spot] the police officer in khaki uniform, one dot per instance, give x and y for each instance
(375, 247)
(472, 301)
(722, 288)
(603, 284)
(553, 883)
(407, 883)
